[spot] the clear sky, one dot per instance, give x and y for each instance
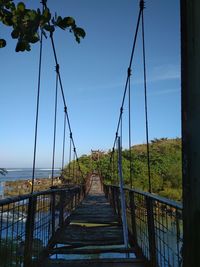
(93, 74)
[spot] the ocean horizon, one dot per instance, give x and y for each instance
(14, 174)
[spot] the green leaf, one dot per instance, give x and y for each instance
(77, 38)
(80, 32)
(21, 46)
(34, 39)
(28, 47)
(15, 34)
(21, 7)
(32, 15)
(2, 43)
(49, 28)
(69, 21)
(46, 15)
(14, 19)
(64, 23)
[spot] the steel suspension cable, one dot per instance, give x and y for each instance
(117, 170)
(128, 71)
(37, 110)
(60, 80)
(129, 130)
(146, 103)
(129, 68)
(76, 170)
(55, 125)
(70, 155)
(73, 170)
(64, 134)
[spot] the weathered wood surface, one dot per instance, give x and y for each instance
(93, 231)
(97, 263)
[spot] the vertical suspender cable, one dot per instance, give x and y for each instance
(123, 203)
(76, 169)
(117, 169)
(64, 133)
(44, 2)
(70, 155)
(112, 165)
(37, 111)
(146, 104)
(129, 127)
(55, 124)
(130, 64)
(73, 164)
(121, 136)
(121, 124)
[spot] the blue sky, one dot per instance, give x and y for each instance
(94, 74)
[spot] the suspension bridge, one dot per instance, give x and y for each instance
(92, 223)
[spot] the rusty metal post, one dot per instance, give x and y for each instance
(29, 231)
(151, 232)
(190, 75)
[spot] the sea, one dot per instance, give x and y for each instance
(14, 174)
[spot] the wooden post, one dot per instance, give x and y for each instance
(151, 232)
(29, 231)
(190, 74)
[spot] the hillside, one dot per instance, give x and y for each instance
(165, 167)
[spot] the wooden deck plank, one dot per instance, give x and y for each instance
(86, 224)
(96, 263)
(93, 229)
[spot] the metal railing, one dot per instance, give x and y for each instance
(28, 223)
(155, 225)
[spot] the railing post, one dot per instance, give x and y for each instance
(29, 231)
(72, 199)
(113, 198)
(79, 195)
(53, 212)
(151, 232)
(133, 217)
(118, 204)
(82, 192)
(61, 212)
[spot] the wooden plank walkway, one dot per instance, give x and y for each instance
(93, 238)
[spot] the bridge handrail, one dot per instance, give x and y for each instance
(155, 224)
(28, 222)
(161, 199)
(9, 200)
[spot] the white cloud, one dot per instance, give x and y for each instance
(160, 73)
(165, 91)
(165, 72)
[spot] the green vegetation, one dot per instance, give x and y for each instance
(165, 162)
(25, 24)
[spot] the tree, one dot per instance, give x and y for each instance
(165, 163)
(25, 24)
